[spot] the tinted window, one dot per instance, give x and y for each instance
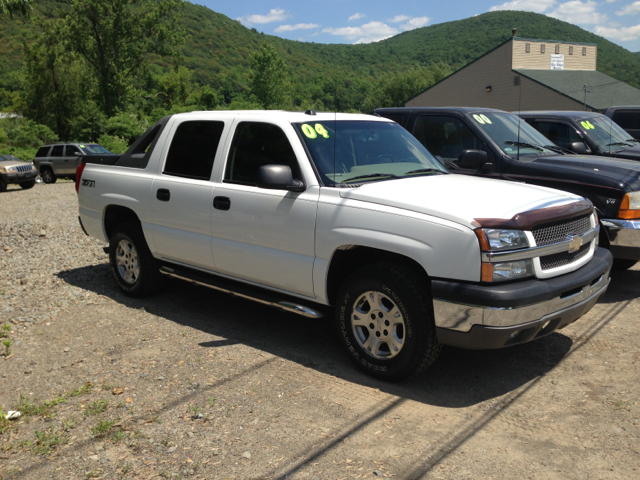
(255, 145)
(42, 152)
(193, 149)
(559, 133)
(627, 120)
(93, 148)
(57, 151)
(446, 137)
(71, 151)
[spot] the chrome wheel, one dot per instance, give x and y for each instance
(378, 325)
(127, 261)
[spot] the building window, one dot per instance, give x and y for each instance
(542, 48)
(571, 50)
(557, 49)
(584, 50)
(527, 47)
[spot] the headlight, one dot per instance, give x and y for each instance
(3, 169)
(500, 240)
(495, 239)
(33, 167)
(630, 206)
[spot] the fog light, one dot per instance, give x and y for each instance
(514, 335)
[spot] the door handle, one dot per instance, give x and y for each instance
(163, 195)
(222, 203)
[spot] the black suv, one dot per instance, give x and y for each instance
(584, 132)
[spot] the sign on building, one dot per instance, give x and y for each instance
(557, 62)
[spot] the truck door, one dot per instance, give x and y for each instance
(259, 235)
(183, 193)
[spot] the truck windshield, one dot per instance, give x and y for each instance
(93, 148)
(512, 134)
(607, 134)
(362, 151)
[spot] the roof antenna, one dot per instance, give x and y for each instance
(519, 117)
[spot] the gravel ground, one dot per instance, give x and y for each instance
(192, 383)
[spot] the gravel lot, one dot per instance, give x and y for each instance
(192, 383)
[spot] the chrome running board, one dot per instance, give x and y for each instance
(239, 290)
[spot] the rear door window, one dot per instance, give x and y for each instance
(254, 145)
(193, 149)
(57, 151)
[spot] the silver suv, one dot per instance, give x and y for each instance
(62, 160)
(14, 170)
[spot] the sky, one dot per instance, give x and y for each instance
(365, 21)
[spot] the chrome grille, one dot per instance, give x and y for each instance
(556, 232)
(564, 258)
(23, 168)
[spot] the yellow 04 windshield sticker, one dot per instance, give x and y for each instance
(313, 132)
(587, 125)
(482, 119)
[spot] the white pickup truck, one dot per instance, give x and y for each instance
(301, 210)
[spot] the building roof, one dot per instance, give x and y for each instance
(602, 90)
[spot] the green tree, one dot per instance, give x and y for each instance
(394, 90)
(11, 7)
(115, 37)
(270, 83)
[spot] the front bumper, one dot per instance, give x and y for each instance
(19, 177)
(624, 238)
(495, 316)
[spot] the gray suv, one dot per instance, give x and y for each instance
(62, 160)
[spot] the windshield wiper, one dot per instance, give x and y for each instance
(559, 149)
(425, 170)
(619, 143)
(371, 175)
(523, 144)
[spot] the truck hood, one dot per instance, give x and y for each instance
(460, 198)
(599, 170)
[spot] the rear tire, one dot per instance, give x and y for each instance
(47, 175)
(136, 271)
(3, 186)
(621, 264)
(385, 321)
(27, 185)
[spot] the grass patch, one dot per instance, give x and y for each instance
(44, 409)
(97, 407)
(86, 389)
(46, 442)
(102, 428)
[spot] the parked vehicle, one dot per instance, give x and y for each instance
(304, 210)
(62, 160)
(628, 117)
(496, 144)
(584, 133)
(14, 170)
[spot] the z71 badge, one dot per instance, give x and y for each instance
(88, 183)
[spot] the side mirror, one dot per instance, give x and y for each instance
(578, 147)
(472, 159)
(278, 177)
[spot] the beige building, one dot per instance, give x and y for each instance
(528, 74)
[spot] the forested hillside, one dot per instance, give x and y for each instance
(213, 68)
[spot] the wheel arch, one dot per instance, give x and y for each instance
(349, 258)
(115, 215)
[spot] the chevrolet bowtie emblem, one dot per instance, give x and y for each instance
(575, 243)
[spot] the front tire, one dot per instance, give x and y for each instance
(47, 175)
(385, 320)
(133, 266)
(27, 185)
(3, 186)
(621, 264)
